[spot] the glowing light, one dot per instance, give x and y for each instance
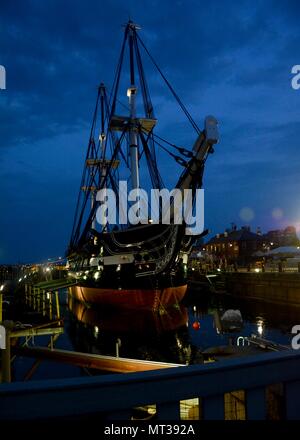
(97, 275)
(118, 268)
(2, 287)
(256, 270)
(246, 214)
(219, 270)
(260, 327)
(277, 213)
(179, 344)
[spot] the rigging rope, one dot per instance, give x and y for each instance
(181, 150)
(85, 170)
(184, 109)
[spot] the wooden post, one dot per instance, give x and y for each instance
(57, 305)
(50, 305)
(1, 296)
(30, 293)
(6, 371)
(44, 302)
(33, 299)
(118, 345)
(38, 299)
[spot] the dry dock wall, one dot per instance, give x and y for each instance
(280, 288)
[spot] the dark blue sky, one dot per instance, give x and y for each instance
(232, 59)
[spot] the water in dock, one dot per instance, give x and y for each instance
(186, 334)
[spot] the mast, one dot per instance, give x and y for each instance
(131, 93)
(102, 140)
(100, 163)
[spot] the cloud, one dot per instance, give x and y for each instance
(231, 59)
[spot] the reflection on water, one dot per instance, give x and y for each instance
(178, 334)
(266, 320)
(185, 334)
(128, 320)
(273, 321)
(140, 334)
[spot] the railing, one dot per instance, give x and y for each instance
(43, 297)
(276, 268)
(269, 268)
(114, 396)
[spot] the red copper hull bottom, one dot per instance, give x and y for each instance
(131, 298)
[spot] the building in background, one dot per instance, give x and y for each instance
(281, 237)
(240, 245)
(235, 245)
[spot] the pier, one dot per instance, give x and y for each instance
(41, 300)
(278, 287)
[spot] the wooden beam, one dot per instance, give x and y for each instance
(36, 332)
(57, 305)
(99, 362)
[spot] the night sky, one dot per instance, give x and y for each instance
(231, 59)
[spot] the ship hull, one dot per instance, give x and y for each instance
(151, 299)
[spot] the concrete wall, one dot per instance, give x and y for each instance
(282, 288)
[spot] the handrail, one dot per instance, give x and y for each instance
(118, 393)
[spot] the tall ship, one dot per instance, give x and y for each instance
(121, 253)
